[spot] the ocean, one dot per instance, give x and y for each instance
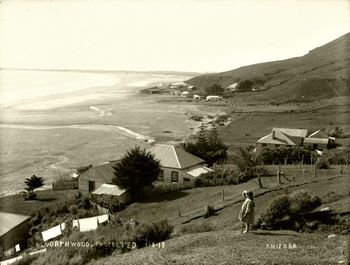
(53, 122)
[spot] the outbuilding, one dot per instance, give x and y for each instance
(14, 232)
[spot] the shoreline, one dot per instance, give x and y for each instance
(208, 119)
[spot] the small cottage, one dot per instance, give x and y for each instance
(177, 165)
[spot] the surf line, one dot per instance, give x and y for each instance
(135, 134)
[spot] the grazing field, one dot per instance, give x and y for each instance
(230, 247)
(176, 208)
(248, 126)
(222, 243)
(46, 198)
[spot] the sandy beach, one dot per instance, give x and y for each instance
(51, 136)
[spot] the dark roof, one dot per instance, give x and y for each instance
(319, 134)
(174, 157)
(292, 132)
(103, 172)
(8, 221)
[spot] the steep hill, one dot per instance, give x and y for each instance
(322, 73)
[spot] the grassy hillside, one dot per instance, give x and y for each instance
(322, 73)
(230, 247)
(223, 244)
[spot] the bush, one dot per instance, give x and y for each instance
(196, 118)
(73, 209)
(155, 232)
(281, 155)
(222, 177)
(277, 209)
(284, 211)
(196, 228)
(301, 201)
(322, 163)
(209, 210)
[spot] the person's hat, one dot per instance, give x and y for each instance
(244, 193)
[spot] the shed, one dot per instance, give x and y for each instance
(106, 190)
(14, 229)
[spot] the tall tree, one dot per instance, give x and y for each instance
(202, 141)
(214, 90)
(137, 169)
(33, 183)
(210, 148)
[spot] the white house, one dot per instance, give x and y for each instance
(198, 97)
(213, 98)
(177, 165)
(233, 87)
(185, 94)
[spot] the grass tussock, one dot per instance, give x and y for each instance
(197, 228)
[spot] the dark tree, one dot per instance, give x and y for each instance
(33, 183)
(245, 85)
(137, 169)
(214, 90)
(210, 148)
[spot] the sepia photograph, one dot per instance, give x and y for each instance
(180, 132)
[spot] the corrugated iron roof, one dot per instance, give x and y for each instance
(8, 221)
(316, 141)
(197, 171)
(103, 172)
(319, 134)
(292, 132)
(174, 157)
(279, 138)
(109, 189)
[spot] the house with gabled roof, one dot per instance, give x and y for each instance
(98, 180)
(319, 140)
(282, 137)
(177, 165)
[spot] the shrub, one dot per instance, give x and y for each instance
(196, 228)
(73, 209)
(221, 177)
(209, 210)
(277, 209)
(322, 163)
(284, 211)
(155, 232)
(302, 200)
(196, 118)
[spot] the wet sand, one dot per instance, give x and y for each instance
(53, 135)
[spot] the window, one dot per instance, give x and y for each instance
(264, 145)
(161, 175)
(91, 186)
(174, 176)
(277, 145)
(187, 180)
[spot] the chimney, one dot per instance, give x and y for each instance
(273, 134)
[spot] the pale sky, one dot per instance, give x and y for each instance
(182, 35)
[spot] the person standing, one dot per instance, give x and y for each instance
(247, 213)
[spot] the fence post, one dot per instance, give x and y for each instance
(223, 195)
(341, 169)
(178, 210)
